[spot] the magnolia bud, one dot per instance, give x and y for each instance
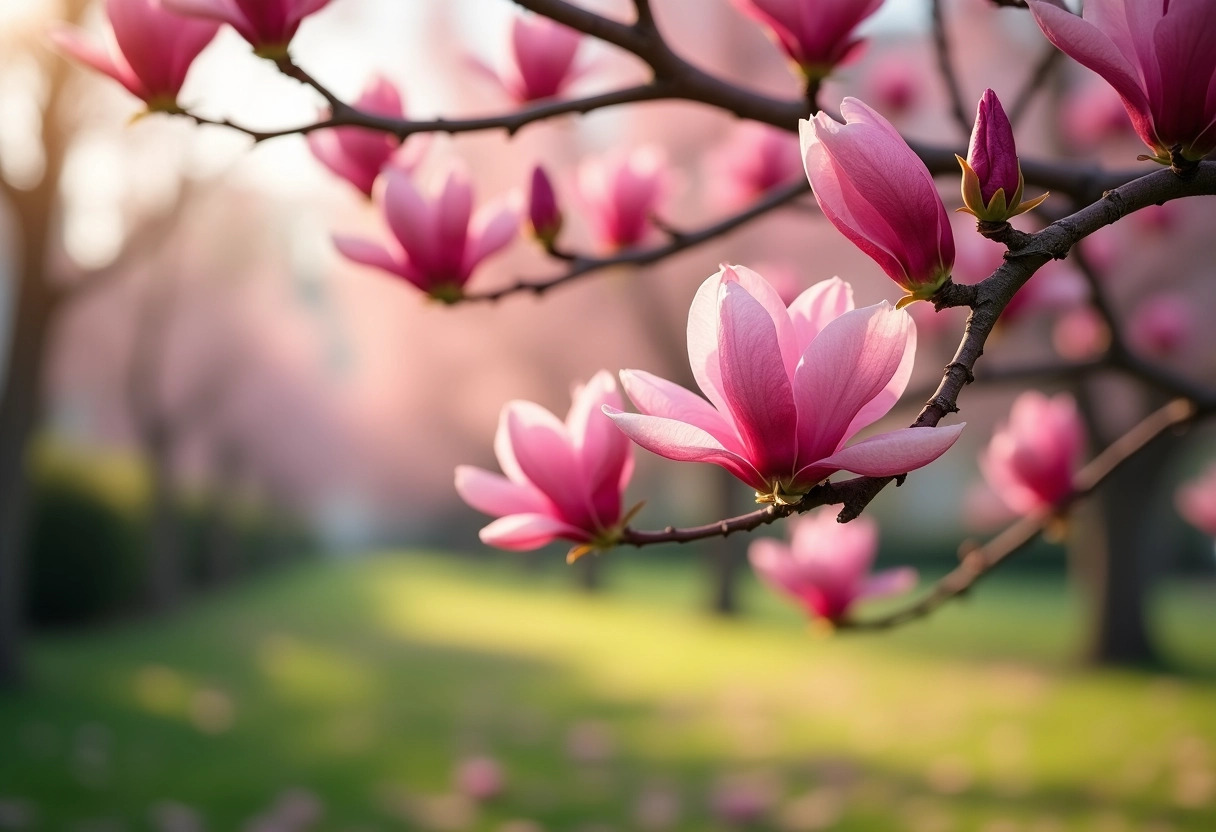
(544, 214)
(992, 175)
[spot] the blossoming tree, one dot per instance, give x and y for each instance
(785, 383)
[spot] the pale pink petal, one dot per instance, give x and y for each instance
(769, 298)
(756, 386)
(369, 253)
(889, 582)
(683, 443)
(542, 449)
(896, 452)
(520, 532)
(70, 41)
(815, 308)
(496, 495)
(327, 148)
(881, 404)
(602, 450)
(494, 227)
(655, 396)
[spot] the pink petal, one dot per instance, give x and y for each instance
(683, 443)
(496, 495)
(410, 218)
(494, 227)
(520, 532)
(602, 450)
(851, 362)
(768, 297)
(889, 582)
(542, 449)
(881, 404)
(70, 41)
(818, 306)
(369, 253)
(655, 396)
(757, 388)
(896, 452)
(452, 211)
(327, 148)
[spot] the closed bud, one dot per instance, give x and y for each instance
(992, 175)
(544, 214)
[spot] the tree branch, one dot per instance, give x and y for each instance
(978, 562)
(583, 266)
(945, 68)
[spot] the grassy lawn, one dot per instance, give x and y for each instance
(351, 690)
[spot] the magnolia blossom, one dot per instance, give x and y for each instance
(1196, 501)
(562, 479)
(755, 159)
(150, 51)
(816, 34)
(826, 566)
(543, 59)
(357, 154)
(268, 25)
(621, 194)
(1031, 460)
(1162, 325)
(880, 195)
(1159, 55)
(787, 388)
(436, 245)
(895, 81)
(544, 214)
(992, 175)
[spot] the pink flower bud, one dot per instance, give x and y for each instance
(992, 175)
(563, 480)
(151, 51)
(1162, 324)
(880, 195)
(268, 25)
(1159, 56)
(816, 34)
(543, 211)
(1031, 460)
(1196, 501)
(765, 420)
(358, 155)
(826, 566)
(438, 242)
(621, 194)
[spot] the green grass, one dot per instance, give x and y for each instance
(363, 683)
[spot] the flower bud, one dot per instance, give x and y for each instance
(992, 175)
(544, 214)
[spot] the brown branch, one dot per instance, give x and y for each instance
(583, 266)
(945, 69)
(978, 562)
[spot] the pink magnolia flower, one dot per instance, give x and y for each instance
(1031, 460)
(1196, 501)
(268, 25)
(621, 194)
(787, 388)
(562, 479)
(880, 195)
(150, 51)
(895, 82)
(755, 159)
(992, 174)
(1159, 55)
(826, 566)
(436, 246)
(358, 155)
(1162, 325)
(816, 34)
(544, 214)
(543, 59)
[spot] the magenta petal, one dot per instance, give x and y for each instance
(410, 218)
(520, 532)
(683, 443)
(851, 362)
(369, 253)
(604, 453)
(542, 449)
(496, 495)
(326, 146)
(494, 227)
(757, 387)
(896, 452)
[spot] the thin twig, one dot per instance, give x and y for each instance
(583, 266)
(979, 561)
(1036, 80)
(945, 68)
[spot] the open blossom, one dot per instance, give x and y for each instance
(268, 25)
(1159, 55)
(357, 154)
(1031, 460)
(816, 34)
(436, 245)
(621, 194)
(826, 566)
(1196, 501)
(544, 59)
(563, 480)
(754, 159)
(150, 52)
(880, 195)
(992, 175)
(787, 388)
